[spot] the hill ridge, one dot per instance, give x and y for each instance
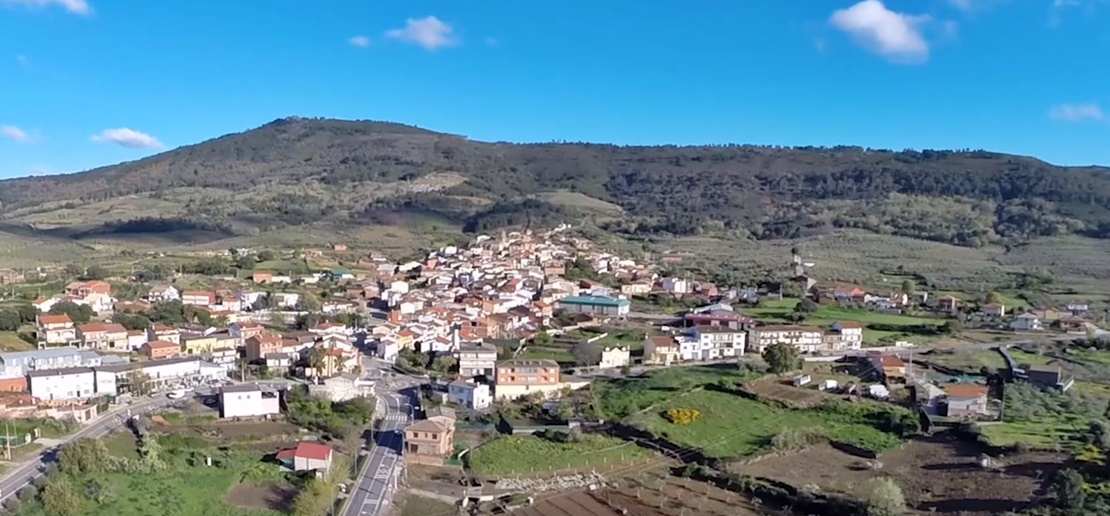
(297, 170)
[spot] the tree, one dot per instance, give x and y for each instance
(277, 319)
(951, 326)
(83, 456)
(909, 287)
(317, 358)
(444, 363)
(59, 498)
(265, 255)
(587, 353)
(95, 272)
(994, 298)
(884, 498)
(806, 306)
(131, 321)
(74, 270)
(140, 383)
(10, 321)
(245, 263)
(79, 314)
(781, 358)
(1067, 490)
(542, 338)
(314, 499)
(308, 303)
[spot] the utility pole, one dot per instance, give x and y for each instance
(7, 441)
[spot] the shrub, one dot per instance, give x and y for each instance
(681, 416)
(797, 438)
(884, 498)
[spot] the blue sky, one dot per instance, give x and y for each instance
(85, 83)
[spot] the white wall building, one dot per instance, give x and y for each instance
(689, 348)
(718, 342)
(676, 285)
(246, 400)
(63, 384)
(614, 357)
(807, 339)
(469, 394)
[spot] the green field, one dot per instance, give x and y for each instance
(1047, 420)
(413, 505)
(617, 399)
(733, 426)
(775, 311)
(281, 266)
(181, 490)
(10, 341)
(522, 454)
(560, 355)
(1051, 435)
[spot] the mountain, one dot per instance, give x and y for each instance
(296, 171)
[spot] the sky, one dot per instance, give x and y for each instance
(87, 83)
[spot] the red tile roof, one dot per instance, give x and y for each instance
(966, 391)
(54, 319)
(161, 344)
(306, 450)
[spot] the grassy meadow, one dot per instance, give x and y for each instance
(522, 454)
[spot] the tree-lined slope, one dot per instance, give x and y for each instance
(297, 171)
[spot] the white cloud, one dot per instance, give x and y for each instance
(73, 6)
(429, 32)
(894, 35)
(14, 133)
(129, 138)
(1075, 112)
(359, 41)
(23, 60)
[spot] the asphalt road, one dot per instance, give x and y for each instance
(17, 479)
(374, 490)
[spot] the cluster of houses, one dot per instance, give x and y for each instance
(718, 332)
(69, 382)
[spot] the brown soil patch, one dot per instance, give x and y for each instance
(272, 496)
(778, 390)
(938, 474)
(261, 430)
(656, 492)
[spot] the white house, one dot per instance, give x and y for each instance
(806, 339)
(614, 357)
(388, 349)
(689, 348)
(676, 285)
(246, 400)
(717, 342)
(844, 335)
(285, 299)
(467, 393)
(164, 293)
(1026, 322)
(62, 384)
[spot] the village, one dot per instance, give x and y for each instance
(532, 361)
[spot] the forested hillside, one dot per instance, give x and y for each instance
(298, 171)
